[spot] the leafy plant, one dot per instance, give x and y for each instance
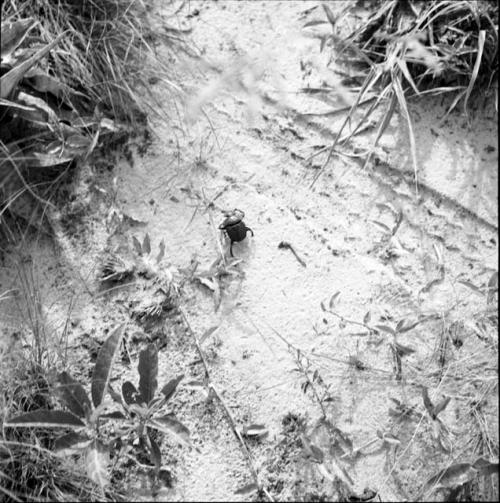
(85, 417)
(140, 413)
(144, 406)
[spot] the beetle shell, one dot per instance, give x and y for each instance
(236, 231)
(233, 218)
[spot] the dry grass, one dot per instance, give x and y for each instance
(414, 48)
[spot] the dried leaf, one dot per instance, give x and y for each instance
(104, 364)
(254, 430)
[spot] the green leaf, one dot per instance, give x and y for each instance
(9, 80)
(46, 419)
(329, 14)
(96, 462)
(137, 245)
(74, 395)
(248, 489)
(208, 333)
(154, 451)
(146, 245)
(71, 442)
(13, 35)
(452, 476)
(169, 425)
(385, 328)
(427, 402)
(403, 350)
(169, 389)
(162, 251)
(440, 406)
(129, 393)
(104, 364)
(148, 371)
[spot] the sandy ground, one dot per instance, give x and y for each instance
(249, 149)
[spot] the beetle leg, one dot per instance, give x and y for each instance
(248, 229)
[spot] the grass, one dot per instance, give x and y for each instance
(76, 78)
(410, 49)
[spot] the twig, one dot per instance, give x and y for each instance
(285, 244)
(229, 416)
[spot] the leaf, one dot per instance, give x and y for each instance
(400, 325)
(427, 401)
(208, 333)
(333, 299)
(452, 476)
(47, 84)
(137, 245)
(148, 372)
(113, 415)
(42, 418)
(248, 489)
(440, 406)
(71, 442)
(314, 23)
(162, 251)
(485, 467)
(13, 35)
(493, 281)
(9, 80)
(154, 451)
(367, 318)
(391, 439)
(385, 328)
(78, 141)
(169, 389)
(96, 462)
(404, 350)
(167, 424)
(311, 450)
(381, 225)
(104, 364)
(470, 285)
(322, 304)
(74, 395)
(480, 43)
(42, 160)
(129, 393)
(254, 430)
(329, 14)
(146, 245)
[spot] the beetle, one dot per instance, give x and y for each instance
(234, 227)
